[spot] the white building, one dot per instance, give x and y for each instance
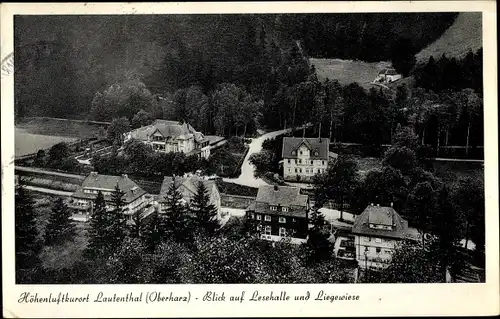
(134, 197)
(305, 157)
(387, 75)
(187, 187)
(377, 232)
(171, 136)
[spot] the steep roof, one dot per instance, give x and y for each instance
(319, 145)
(190, 183)
(380, 215)
(388, 71)
(108, 182)
(169, 129)
(281, 195)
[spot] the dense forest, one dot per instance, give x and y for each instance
(62, 61)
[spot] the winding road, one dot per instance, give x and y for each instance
(246, 177)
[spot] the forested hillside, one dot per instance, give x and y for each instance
(63, 61)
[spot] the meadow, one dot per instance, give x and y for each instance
(348, 71)
(27, 143)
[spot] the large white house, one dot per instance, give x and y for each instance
(387, 75)
(171, 136)
(305, 157)
(134, 197)
(377, 232)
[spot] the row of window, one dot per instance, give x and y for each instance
(316, 153)
(377, 240)
(378, 250)
(307, 170)
(267, 218)
(299, 161)
(267, 230)
(275, 208)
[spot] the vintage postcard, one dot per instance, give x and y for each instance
(249, 159)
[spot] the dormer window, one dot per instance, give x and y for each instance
(274, 208)
(294, 153)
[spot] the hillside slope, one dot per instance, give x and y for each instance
(463, 35)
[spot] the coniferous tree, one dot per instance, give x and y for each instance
(60, 227)
(27, 243)
(117, 218)
(318, 246)
(99, 226)
(204, 213)
(175, 215)
(152, 230)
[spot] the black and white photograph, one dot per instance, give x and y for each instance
(249, 148)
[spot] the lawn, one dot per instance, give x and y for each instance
(348, 71)
(44, 126)
(27, 143)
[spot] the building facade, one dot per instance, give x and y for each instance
(305, 157)
(171, 137)
(280, 212)
(377, 233)
(187, 187)
(134, 197)
(387, 75)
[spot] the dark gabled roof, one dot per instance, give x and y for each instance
(169, 129)
(388, 71)
(281, 195)
(319, 145)
(380, 215)
(191, 183)
(108, 182)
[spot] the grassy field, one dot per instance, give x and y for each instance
(347, 71)
(58, 128)
(27, 143)
(464, 34)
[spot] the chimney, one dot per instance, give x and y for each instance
(392, 204)
(371, 204)
(93, 174)
(303, 132)
(276, 187)
(124, 176)
(378, 205)
(319, 132)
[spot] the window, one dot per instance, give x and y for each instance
(316, 153)
(282, 220)
(300, 170)
(288, 161)
(267, 218)
(295, 170)
(282, 232)
(258, 216)
(299, 161)
(259, 228)
(323, 162)
(285, 209)
(293, 153)
(378, 240)
(289, 170)
(251, 215)
(274, 208)
(268, 230)
(300, 152)
(312, 162)
(387, 251)
(377, 250)
(294, 220)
